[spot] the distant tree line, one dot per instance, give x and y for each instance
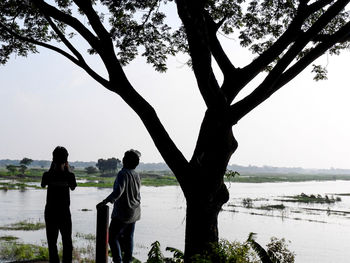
(21, 167)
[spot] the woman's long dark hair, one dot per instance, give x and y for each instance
(59, 156)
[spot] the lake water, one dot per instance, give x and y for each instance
(316, 236)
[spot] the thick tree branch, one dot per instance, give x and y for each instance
(192, 16)
(260, 63)
(339, 37)
(269, 85)
(120, 85)
(167, 148)
(288, 37)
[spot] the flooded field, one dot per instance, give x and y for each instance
(318, 231)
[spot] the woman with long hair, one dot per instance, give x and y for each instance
(59, 180)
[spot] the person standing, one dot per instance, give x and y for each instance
(126, 209)
(59, 180)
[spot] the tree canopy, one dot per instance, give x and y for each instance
(110, 164)
(26, 161)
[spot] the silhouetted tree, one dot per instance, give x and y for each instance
(101, 165)
(26, 161)
(113, 164)
(90, 170)
(24, 164)
(22, 168)
(285, 36)
(109, 165)
(11, 168)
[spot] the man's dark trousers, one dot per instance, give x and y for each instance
(121, 236)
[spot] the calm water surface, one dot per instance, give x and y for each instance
(316, 236)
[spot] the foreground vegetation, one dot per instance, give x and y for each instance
(224, 252)
(11, 247)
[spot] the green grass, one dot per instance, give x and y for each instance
(303, 198)
(19, 251)
(11, 250)
(16, 186)
(25, 225)
(8, 238)
(159, 181)
(100, 184)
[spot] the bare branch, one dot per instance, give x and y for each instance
(120, 84)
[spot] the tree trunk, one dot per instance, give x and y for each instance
(202, 224)
(204, 187)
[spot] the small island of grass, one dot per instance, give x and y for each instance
(304, 198)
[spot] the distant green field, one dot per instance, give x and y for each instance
(271, 178)
(18, 181)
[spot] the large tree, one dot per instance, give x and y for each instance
(286, 36)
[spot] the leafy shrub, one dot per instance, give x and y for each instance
(230, 252)
(279, 249)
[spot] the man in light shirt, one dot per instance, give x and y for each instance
(126, 209)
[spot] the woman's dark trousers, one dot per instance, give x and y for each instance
(59, 221)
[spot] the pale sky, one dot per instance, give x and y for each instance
(47, 101)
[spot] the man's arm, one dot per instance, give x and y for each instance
(44, 180)
(118, 189)
(72, 182)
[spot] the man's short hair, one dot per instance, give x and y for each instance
(131, 159)
(60, 155)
